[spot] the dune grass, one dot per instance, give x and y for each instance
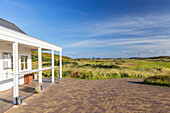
(108, 69)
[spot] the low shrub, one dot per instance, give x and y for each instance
(85, 65)
(56, 73)
(112, 75)
(139, 76)
(34, 58)
(118, 63)
(46, 64)
(66, 73)
(124, 75)
(44, 59)
(47, 74)
(56, 62)
(88, 74)
(74, 64)
(75, 75)
(163, 78)
(66, 62)
(104, 66)
(158, 80)
(99, 66)
(123, 61)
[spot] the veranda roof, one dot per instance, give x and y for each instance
(10, 25)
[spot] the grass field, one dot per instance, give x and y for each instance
(149, 65)
(107, 68)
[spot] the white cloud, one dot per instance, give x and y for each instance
(131, 36)
(138, 42)
(129, 25)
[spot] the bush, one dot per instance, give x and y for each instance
(85, 65)
(104, 66)
(124, 74)
(158, 80)
(100, 66)
(66, 73)
(44, 59)
(34, 58)
(123, 61)
(118, 63)
(75, 75)
(112, 75)
(89, 74)
(56, 73)
(74, 64)
(138, 76)
(66, 62)
(163, 78)
(56, 62)
(47, 64)
(47, 74)
(115, 75)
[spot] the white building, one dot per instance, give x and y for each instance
(15, 56)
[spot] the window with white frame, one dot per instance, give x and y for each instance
(7, 60)
(24, 62)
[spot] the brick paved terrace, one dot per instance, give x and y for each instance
(98, 96)
(6, 97)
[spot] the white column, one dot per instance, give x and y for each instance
(40, 64)
(15, 72)
(60, 64)
(52, 65)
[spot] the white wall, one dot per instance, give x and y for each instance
(7, 48)
(8, 80)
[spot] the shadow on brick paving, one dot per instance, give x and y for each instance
(25, 91)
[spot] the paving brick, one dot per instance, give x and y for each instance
(99, 96)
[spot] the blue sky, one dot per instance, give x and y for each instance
(95, 28)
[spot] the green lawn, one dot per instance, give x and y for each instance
(149, 65)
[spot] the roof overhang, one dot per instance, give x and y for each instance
(13, 36)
